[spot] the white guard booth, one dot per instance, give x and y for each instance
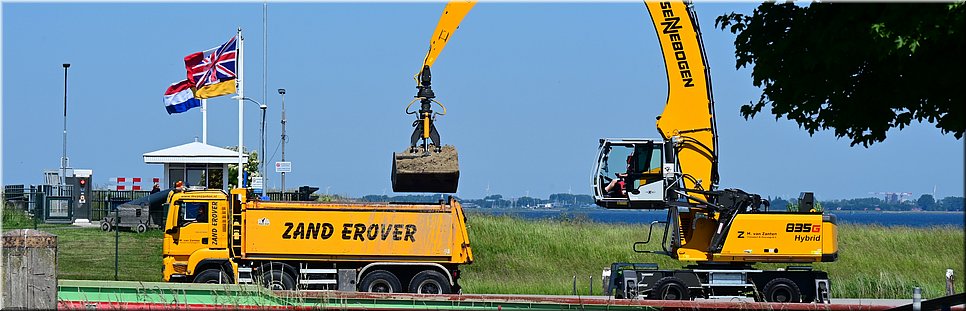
(196, 164)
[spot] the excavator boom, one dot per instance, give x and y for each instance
(688, 117)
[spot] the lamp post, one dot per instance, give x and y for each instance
(263, 107)
(63, 159)
(284, 138)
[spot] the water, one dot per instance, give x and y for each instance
(911, 219)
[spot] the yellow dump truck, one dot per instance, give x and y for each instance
(213, 237)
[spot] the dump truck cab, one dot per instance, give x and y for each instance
(196, 230)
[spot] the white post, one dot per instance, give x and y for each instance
(950, 289)
(916, 299)
(240, 88)
(263, 173)
(204, 121)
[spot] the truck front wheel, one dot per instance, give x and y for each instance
(380, 281)
(212, 276)
(429, 282)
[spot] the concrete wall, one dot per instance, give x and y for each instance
(29, 270)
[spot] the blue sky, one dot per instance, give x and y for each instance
(530, 88)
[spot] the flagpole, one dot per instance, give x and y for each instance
(240, 85)
(204, 121)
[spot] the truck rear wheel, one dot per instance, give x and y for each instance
(380, 281)
(782, 290)
(278, 280)
(670, 288)
(212, 276)
(429, 282)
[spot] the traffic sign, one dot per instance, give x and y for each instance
(283, 167)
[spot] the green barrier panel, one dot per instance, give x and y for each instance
(184, 295)
(167, 293)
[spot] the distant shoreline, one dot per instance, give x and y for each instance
(913, 219)
(662, 211)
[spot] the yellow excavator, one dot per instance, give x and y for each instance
(425, 166)
(723, 232)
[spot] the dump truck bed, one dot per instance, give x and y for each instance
(418, 232)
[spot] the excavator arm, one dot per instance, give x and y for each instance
(452, 16)
(424, 168)
(425, 130)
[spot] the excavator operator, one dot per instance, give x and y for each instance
(618, 186)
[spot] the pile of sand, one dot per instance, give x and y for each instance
(441, 162)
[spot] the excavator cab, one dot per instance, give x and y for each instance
(632, 174)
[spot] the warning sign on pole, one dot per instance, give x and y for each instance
(258, 184)
(283, 167)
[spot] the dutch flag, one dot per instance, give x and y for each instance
(179, 98)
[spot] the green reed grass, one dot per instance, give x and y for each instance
(516, 256)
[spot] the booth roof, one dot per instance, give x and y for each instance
(193, 152)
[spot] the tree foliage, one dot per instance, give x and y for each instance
(926, 202)
(951, 204)
(946, 204)
(251, 168)
(860, 69)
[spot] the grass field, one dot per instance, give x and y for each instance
(542, 257)
(515, 256)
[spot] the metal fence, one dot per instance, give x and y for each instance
(103, 202)
(282, 196)
(24, 206)
(15, 196)
(54, 203)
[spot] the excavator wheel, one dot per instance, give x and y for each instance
(670, 288)
(782, 290)
(422, 171)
